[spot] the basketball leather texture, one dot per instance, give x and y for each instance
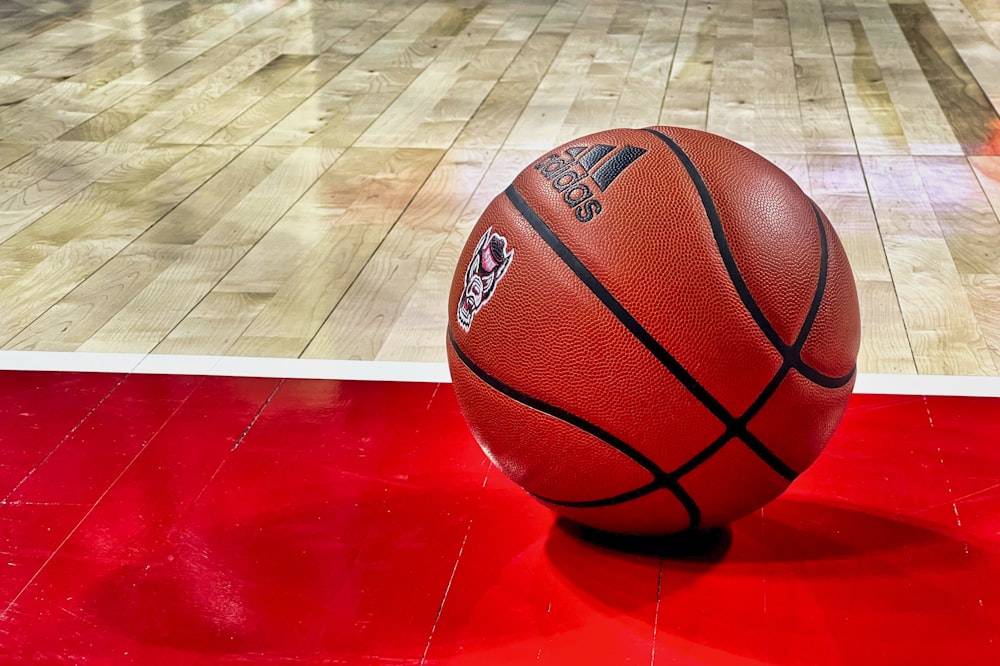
(653, 330)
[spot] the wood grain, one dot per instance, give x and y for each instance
(289, 178)
(371, 305)
(961, 97)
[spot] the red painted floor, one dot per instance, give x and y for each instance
(187, 520)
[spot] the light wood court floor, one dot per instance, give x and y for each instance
(281, 179)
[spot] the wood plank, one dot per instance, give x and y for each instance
(874, 122)
(984, 293)
(10, 153)
(179, 109)
(31, 194)
(541, 122)
(826, 121)
(777, 118)
(730, 102)
(838, 186)
(599, 91)
(941, 325)
(217, 195)
(316, 31)
(205, 120)
(149, 317)
(924, 124)
(497, 115)
(76, 315)
(46, 115)
(435, 106)
(968, 223)
(97, 111)
(970, 38)
(21, 23)
(369, 308)
(641, 98)
(238, 31)
(15, 88)
(266, 113)
(343, 108)
(345, 219)
(214, 325)
(46, 48)
(987, 170)
(885, 345)
(93, 211)
(137, 21)
(685, 103)
(962, 99)
(89, 290)
(185, 32)
(416, 333)
(807, 30)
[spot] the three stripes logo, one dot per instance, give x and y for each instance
(581, 170)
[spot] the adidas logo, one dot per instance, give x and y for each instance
(581, 169)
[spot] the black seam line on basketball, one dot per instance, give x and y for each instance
(817, 300)
(804, 369)
(660, 478)
(787, 351)
(636, 493)
(721, 242)
(557, 412)
(787, 362)
(764, 453)
(733, 426)
(668, 483)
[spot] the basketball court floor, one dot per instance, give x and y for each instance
(227, 431)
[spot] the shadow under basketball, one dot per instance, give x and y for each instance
(803, 571)
(694, 545)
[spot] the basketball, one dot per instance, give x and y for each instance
(653, 330)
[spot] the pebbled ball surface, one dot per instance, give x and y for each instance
(669, 333)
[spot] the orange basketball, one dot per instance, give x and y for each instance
(653, 330)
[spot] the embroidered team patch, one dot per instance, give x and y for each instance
(489, 263)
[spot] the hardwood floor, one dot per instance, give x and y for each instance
(284, 179)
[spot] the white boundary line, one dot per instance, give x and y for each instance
(959, 385)
(224, 366)
(402, 371)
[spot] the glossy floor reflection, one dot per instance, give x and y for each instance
(189, 520)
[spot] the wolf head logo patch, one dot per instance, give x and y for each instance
(489, 263)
